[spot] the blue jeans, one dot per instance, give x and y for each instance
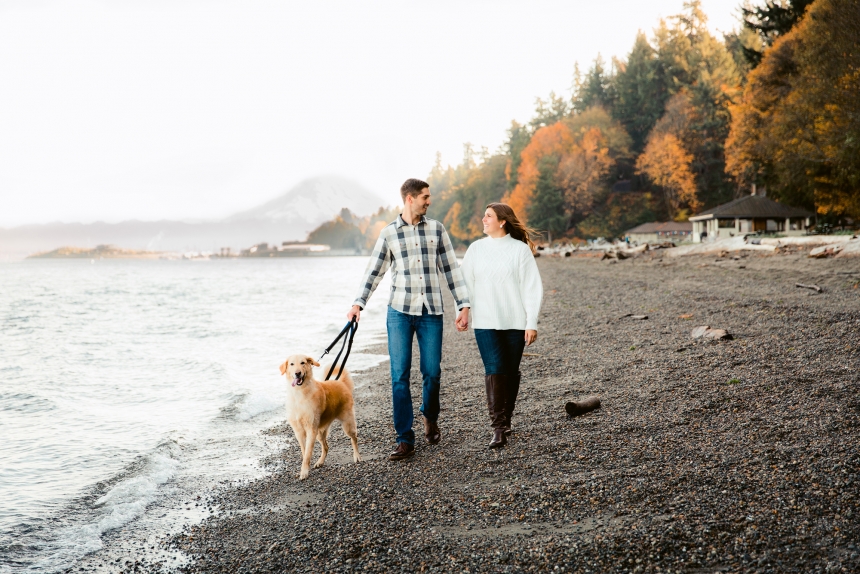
(501, 351)
(401, 328)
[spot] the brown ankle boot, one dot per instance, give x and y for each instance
(499, 439)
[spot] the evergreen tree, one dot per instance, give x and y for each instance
(640, 95)
(548, 112)
(596, 89)
(769, 22)
(546, 210)
(518, 138)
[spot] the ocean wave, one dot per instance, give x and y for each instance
(124, 501)
(259, 402)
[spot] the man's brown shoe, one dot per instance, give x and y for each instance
(431, 432)
(403, 450)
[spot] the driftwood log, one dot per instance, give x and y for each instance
(815, 288)
(575, 409)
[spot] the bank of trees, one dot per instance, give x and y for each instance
(796, 128)
(687, 121)
(348, 231)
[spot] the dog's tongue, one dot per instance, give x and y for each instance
(297, 381)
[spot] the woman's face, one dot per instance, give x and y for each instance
(491, 222)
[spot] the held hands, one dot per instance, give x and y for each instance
(462, 322)
(531, 336)
(355, 311)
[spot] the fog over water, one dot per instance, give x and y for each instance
(197, 109)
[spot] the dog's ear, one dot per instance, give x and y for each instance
(283, 367)
(312, 362)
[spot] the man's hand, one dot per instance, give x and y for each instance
(354, 312)
(462, 321)
(531, 336)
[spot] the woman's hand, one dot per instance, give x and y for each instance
(462, 322)
(531, 336)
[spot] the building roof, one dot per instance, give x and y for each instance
(752, 207)
(664, 226)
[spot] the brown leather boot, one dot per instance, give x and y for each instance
(431, 432)
(512, 389)
(495, 385)
(499, 439)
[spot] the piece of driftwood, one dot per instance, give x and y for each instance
(632, 316)
(705, 332)
(815, 288)
(577, 408)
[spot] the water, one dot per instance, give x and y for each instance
(118, 375)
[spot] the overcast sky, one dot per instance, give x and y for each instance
(196, 109)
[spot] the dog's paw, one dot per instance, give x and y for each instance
(304, 473)
(318, 464)
(356, 458)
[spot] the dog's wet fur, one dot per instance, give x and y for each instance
(313, 405)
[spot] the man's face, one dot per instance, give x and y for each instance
(420, 202)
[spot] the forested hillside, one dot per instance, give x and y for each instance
(686, 121)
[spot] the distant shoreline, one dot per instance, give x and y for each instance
(100, 252)
(113, 252)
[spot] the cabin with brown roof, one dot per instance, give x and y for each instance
(659, 232)
(750, 214)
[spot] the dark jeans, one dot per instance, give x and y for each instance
(501, 351)
(401, 328)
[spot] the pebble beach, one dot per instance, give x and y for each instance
(736, 455)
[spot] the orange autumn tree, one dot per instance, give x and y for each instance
(554, 140)
(667, 164)
(565, 170)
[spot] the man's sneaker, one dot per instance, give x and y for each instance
(403, 450)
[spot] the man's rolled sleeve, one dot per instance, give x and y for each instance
(446, 262)
(380, 260)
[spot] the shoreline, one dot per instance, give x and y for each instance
(706, 456)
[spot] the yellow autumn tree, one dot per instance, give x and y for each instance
(667, 164)
(797, 127)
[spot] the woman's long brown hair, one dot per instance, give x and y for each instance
(514, 227)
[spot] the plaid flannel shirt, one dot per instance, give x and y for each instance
(416, 254)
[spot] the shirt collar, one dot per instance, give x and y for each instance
(401, 222)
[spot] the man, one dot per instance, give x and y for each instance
(416, 249)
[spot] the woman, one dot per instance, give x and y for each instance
(505, 291)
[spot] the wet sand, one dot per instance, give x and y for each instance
(707, 456)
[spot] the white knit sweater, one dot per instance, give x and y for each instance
(504, 284)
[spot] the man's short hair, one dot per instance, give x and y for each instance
(412, 187)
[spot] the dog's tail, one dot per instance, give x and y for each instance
(345, 376)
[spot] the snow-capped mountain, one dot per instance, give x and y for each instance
(314, 201)
(289, 217)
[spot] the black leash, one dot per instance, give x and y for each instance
(351, 328)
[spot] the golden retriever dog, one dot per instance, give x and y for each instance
(313, 405)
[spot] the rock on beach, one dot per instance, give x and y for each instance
(736, 455)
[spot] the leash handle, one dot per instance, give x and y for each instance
(350, 327)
